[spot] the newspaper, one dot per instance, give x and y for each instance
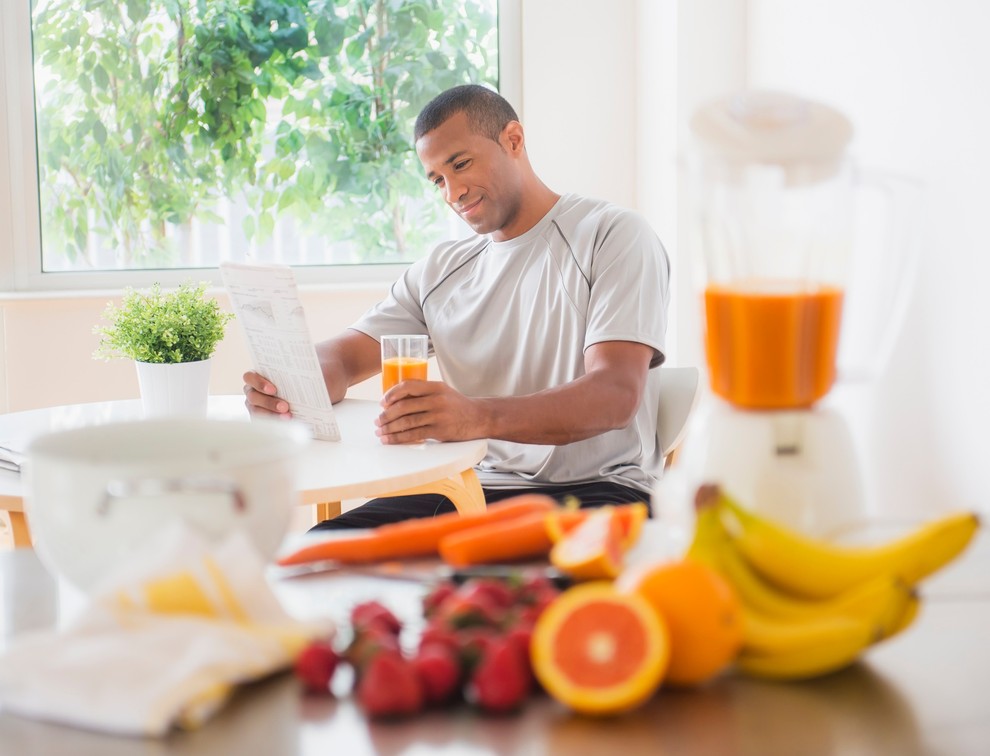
(266, 301)
(12, 455)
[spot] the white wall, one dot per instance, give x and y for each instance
(914, 77)
(579, 95)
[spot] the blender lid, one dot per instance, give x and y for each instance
(807, 139)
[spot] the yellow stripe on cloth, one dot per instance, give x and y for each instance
(180, 593)
(227, 594)
(203, 706)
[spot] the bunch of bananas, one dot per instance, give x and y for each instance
(811, 607)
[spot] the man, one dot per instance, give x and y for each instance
(545, 326)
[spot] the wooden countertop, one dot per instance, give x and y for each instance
(923, 692)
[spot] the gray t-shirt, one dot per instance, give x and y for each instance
(513, 318)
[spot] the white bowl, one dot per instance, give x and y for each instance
(94, 495)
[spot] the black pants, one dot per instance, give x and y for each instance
(393, 509)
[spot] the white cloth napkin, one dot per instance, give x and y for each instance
(162, 643)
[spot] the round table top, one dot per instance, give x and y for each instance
(358, 466)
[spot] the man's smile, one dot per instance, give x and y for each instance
(468, 210)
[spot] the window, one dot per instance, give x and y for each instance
(172, 134)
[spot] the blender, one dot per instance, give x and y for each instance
(797, 253)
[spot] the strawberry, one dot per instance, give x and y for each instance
(369, 641)
(529, 614)
(493, 592)
(369, 612)
(436, 596)
(390, 687)
(536, 589)
(439, 673)
(473, 644)
(459, 611)
(501, 681)
(437, 634)
(315, 666)
(521, 636)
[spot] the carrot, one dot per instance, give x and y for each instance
(415, 538)
(527, 537)
(523, 537)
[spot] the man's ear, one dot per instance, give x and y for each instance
(512, 138)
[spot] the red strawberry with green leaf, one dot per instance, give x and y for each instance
(437, 634)
(439, 673)
(436, 596)
(370, 641)
(370, 612)
(390, 687)
(501, 681)
(493, 592)
(315, 666)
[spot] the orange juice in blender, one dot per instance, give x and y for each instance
(772, 345)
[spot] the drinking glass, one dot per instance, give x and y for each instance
(403, 358)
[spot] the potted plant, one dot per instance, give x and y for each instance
(171, 337)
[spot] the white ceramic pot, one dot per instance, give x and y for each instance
(172, 389)
(93, 495)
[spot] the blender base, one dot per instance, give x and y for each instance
(798, 467)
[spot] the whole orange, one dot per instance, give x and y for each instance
(702, 614)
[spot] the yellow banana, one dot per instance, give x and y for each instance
(841, 650)
(818, 569)
(878, 601)
(709, 534)
(804, 663)
(908, 614)
(770, 636)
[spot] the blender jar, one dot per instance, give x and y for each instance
(772, 196)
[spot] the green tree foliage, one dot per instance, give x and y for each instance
(150, 112)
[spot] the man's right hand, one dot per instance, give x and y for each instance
(261, 396)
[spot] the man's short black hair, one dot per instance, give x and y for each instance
(487, 111)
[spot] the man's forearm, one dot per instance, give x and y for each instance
(347, 359)
(584, 408)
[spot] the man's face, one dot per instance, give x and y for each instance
(479, 178)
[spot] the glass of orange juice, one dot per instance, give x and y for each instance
(403, 358)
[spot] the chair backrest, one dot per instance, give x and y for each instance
(680, 389)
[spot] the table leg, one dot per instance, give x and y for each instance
(19, 528)
(463, 490)
(327, 510)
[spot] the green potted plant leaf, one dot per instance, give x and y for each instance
(171, 337)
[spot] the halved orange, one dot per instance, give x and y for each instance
(599, 651)
(593, 550)
(631, 517)
(702, 614)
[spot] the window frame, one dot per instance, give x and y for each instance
(20, 213)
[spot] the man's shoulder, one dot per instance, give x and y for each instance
(581, 215)
(443, 260)
(452, 253)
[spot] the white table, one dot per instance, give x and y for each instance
(359, 466)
